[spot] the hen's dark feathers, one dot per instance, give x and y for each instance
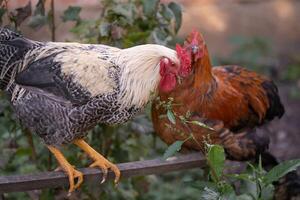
(15, 40)
(13, 47)
(6, 34)
(38, 74)
(275, 109)
(45, 77)
(250, 83)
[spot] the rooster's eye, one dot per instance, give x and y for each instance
(173, 64)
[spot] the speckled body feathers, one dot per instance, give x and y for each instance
(61, 90)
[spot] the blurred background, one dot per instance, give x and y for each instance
(261, 35)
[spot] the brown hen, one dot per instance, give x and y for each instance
(231, 99)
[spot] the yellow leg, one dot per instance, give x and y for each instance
(99, 160)
(67, 168)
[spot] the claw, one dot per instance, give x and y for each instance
(73, 174)
(104, 176)
(117, 172)
(68, 169)
(104, 165)
(100, 161)
(103, 169)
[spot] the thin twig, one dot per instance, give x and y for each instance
(53, 27)
(31, 144)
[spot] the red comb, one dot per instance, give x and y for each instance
(194, 38)
(185, 61)
(193, 48)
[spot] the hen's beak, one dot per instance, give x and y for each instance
(195, 49)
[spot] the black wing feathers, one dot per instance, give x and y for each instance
(45, 75)
(38, 74)
(13, 47)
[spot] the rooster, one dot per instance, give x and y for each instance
(230, 99)
(61, 90)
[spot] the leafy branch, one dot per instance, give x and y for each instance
(174, 118)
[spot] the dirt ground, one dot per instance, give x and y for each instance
(284, 133)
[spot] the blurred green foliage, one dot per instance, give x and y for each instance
(128, 24)
(254, 53)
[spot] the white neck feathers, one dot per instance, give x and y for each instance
(140, 72)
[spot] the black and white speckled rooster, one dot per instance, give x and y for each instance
(61, 90)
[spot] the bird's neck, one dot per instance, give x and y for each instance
(204, 79)
(139, 79)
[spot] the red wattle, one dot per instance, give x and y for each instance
(167, 83)
(185, 61)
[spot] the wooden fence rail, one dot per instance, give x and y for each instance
(19, 183)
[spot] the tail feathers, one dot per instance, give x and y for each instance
(12, 50)
(276, 108)
(245, 145)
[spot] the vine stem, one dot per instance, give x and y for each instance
(53, 27)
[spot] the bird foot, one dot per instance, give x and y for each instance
(68, 169)
(104, 165)
(99, 160)
(73, 174)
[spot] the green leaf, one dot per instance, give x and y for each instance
(71, 14)
(125, 10)
(160, 36)
(167, 12)
(202, 125)
(171, 116)
(136, 37)
(245, 197)
(202, 184)
(172, 149)
(149, 7)
(23, 152)
(249, 187)
(2, 12)
(37, 21)
(209, 194)
(82, 28)
(227, 191)
(244, 177)
(268, 192)
(216, 160)
(177, 11)
(280, 170)
(104, 29)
